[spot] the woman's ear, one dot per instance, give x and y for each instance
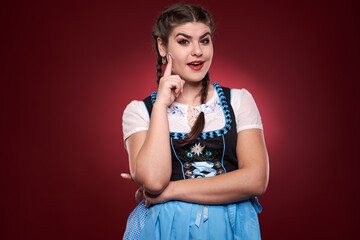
(161, 47)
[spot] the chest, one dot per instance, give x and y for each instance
(182, 118)
(214, 151)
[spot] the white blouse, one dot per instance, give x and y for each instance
(136, 117)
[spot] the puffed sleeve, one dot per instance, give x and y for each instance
(135, 118)
(246, 112)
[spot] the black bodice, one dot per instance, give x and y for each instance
(213, 153)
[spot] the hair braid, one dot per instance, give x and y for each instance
(158, 69)
(158, 62)
(204, 90)
(173, 16)
(200, 121)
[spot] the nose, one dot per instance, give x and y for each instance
(196, 50)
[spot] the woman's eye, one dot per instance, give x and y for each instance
(183, 42)
(206, 40)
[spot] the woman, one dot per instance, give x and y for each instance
(202, 181)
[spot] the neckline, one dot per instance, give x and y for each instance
(185, 106)
(208, 134)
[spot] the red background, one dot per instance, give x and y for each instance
(68, 69)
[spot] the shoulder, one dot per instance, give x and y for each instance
(133, 105)
(135, 118)
(245, 109)
(238, 94)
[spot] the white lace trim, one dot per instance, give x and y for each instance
(136, 117)
(181, 110)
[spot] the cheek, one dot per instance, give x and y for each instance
(177, 59)
(210, 52)
(178, 53)
(176, 67)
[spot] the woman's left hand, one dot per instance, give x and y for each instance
(149, 198)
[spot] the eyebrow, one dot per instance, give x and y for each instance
(189, 37)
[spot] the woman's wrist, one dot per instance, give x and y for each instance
(173, 191)
(160, 105)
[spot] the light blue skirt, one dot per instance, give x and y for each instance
(182, 220)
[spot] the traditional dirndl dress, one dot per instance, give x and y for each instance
(213, 153)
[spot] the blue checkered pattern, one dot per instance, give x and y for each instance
(136, 222)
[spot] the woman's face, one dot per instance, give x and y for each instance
(190, 46)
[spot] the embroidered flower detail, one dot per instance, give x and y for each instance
(189, 154)
(175, 110)
(208, 153)
(197, 149)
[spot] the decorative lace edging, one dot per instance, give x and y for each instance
(153, 97)
(208, 134)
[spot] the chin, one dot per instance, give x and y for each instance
(194, 79)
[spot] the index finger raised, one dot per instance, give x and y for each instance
(168, 68)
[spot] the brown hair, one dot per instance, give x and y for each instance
(168, 19)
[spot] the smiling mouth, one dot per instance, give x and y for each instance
(196, 65)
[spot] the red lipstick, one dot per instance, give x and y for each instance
(196, 65)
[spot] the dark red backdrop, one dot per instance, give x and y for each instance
(69, 69)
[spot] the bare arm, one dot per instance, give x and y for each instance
(249, 180)
(149, 151)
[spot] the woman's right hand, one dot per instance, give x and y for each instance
(149, 151)
(170, 86)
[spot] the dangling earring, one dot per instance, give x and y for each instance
(163, 60)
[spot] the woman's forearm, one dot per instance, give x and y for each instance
(150, 154)
(151, 167)
(234, 186)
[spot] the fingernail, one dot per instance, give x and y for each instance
(182, 90)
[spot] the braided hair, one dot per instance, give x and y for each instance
(172, 16)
